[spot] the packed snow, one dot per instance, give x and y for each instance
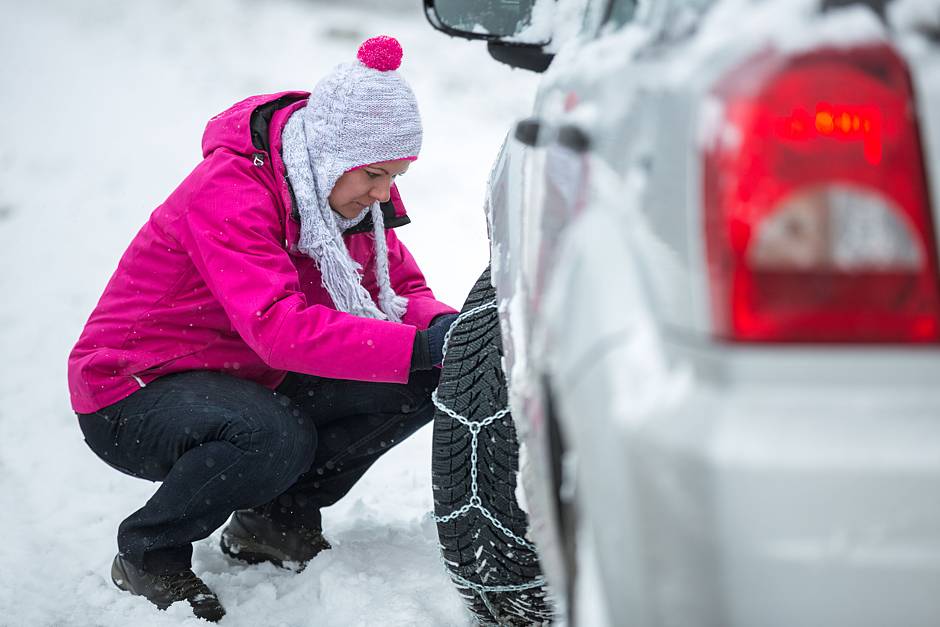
(104, 104)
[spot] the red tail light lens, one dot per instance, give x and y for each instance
(817, 219)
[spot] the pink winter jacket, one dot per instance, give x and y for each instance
(213, 281)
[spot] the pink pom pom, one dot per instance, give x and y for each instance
(381, 53)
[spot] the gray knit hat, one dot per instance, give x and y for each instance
(359, 114)
(362, 113)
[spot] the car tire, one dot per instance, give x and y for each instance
(483, 539)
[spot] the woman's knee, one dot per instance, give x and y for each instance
(418, 390)
(281, 438)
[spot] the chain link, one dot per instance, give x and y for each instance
(519, 587)
(467, 314)
(475, 502)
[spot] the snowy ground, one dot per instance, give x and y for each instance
(103, 106)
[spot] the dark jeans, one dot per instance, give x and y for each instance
(219, 444)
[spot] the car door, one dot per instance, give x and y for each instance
(557, 171)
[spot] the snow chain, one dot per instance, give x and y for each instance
(475, 502)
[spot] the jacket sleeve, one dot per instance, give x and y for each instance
(407, 280)
(234, 236)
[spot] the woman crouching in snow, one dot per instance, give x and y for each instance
(239, 355)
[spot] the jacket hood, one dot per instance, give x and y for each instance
(243, 127)
(254, 126)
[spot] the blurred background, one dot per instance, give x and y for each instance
(102, 108)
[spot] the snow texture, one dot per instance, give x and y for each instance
(539, 29)
(789, 26)
(104, 104)
(914, 15)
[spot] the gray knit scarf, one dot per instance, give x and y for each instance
(321, 236)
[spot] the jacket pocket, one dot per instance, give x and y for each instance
(148, 370)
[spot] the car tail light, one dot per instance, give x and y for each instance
(817, 218)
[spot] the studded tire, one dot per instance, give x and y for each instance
(495, 570)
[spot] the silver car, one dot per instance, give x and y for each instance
(715, 264)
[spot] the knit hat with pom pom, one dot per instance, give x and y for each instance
(359, 114)
(363, 112)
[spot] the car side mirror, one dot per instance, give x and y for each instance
(532, 58)
(514, 35)
(493, 20)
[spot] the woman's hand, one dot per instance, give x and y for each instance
(428, 348)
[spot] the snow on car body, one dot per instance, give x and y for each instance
(714, 250)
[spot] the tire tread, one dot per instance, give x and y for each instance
(473, 385)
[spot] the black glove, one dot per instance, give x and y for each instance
(428, 348)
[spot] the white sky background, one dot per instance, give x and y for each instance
(102, 108)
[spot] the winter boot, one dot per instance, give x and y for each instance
(253, 538)
(164, 590)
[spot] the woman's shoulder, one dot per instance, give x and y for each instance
(224, 188)
(243, 127)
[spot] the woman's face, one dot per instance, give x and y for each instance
(359, 188)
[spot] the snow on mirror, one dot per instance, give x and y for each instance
(517, 21)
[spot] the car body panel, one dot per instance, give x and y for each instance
(753, 486)
(721, 484)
